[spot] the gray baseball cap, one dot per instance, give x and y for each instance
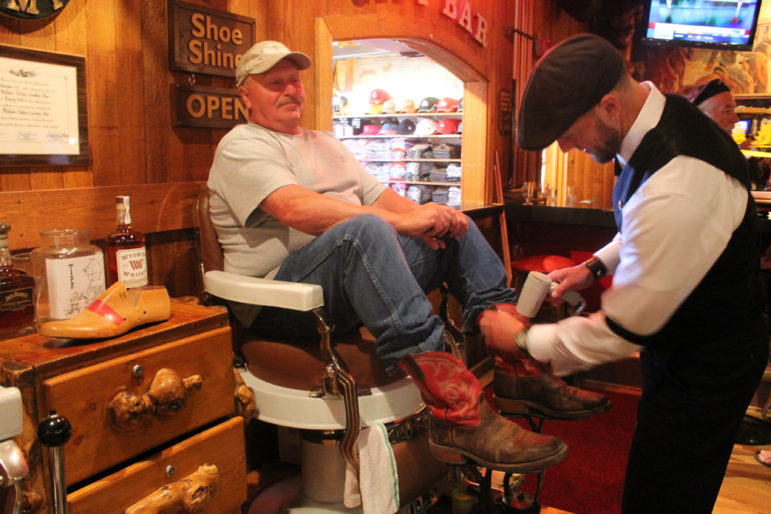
(263, 56)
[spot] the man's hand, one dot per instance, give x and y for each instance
(432, 222)
(576, 278)
(499, 327)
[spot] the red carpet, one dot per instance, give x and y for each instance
(590, 480)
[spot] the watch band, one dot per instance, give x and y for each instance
(596, 268)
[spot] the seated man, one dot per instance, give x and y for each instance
(716, 100)
(292, 204)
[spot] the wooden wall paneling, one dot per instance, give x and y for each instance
(103, 91)
(323, 76)
(70, 25)
(253, 9)
(172, 262)
(293, 23)
(10, 31)
(43, 38)
(163, 152)
(154, 208)
(475, 182)
(130, 159)
(12, 179)
(500, 50)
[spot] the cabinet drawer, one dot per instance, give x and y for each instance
(222, 446)
(149, 415)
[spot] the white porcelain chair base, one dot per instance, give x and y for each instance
(322, 463)
(308, 506)
(323, 471)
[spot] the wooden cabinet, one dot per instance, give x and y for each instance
(147, 410)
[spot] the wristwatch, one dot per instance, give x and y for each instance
(596, 268)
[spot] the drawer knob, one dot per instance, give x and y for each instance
(245, 404)
(189, 494)
(165, 396)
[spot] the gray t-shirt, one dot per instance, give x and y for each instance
(250, 163)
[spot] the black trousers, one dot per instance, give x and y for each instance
(694, 397)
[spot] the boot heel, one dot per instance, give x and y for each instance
(447, 455)
(510, 406)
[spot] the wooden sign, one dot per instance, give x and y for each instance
(504, 112)
(32, 9)
(207, 41)
(209, 107)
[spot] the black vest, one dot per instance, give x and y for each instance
(730, 293)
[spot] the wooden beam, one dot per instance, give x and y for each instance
(154, 208)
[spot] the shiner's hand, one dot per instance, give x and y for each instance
(576, 278)
(500, 327)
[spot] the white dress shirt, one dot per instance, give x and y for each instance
(674, 227)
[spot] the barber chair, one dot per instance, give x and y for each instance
(13, 465)
(326, 390)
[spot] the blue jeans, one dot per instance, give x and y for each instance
(373, 276)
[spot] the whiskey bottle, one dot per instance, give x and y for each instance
(125, 249)
(17, 300)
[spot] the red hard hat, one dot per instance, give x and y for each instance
(378, 96)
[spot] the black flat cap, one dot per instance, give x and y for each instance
(704, 92)
(568, 81)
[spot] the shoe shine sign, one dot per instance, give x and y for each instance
(209, 42)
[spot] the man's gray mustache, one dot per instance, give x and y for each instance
(288, 100)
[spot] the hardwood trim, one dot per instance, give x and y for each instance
(458, 58)
(154, 208)
(323, 75)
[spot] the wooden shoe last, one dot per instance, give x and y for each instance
(115, 312)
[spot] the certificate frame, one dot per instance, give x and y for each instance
(46, 131)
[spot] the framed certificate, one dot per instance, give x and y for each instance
(43, 113)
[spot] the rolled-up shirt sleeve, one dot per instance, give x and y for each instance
(674, 228)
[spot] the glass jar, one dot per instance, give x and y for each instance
(68, 272)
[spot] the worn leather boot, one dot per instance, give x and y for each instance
(525, 387)
(462, 425)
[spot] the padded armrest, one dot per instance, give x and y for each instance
(260, 291)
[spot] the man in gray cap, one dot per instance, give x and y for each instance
(293, 204)
(685, 290)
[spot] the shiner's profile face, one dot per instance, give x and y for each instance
(592, 136)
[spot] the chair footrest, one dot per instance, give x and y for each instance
(295, 408)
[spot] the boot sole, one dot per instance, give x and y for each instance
(458, 457)
(527, 408)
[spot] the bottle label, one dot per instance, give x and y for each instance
(16, 299)
(73, 284)
(132, 266)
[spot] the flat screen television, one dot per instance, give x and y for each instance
(726, 24)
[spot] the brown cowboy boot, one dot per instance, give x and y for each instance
(522, 385)
(462, 425)
(525, 387)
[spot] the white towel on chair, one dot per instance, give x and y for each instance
(376, 488)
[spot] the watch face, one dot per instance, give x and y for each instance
(32, 9)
